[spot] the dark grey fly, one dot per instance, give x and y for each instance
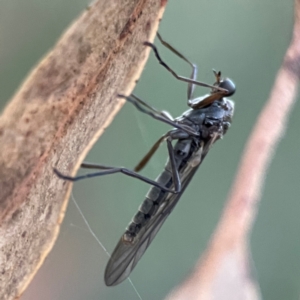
(195, 131)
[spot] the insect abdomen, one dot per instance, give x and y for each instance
(149, 206)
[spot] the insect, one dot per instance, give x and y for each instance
(195, 131)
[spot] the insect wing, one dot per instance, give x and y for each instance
(126, 255)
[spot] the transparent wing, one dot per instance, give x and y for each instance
(126, 255)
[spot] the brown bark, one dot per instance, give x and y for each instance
(59, 112)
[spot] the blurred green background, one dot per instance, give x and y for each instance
(244, 39)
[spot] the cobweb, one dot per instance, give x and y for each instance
(99, 242)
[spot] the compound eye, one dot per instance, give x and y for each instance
(228, 85)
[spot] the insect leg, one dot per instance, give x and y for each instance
(181, 78)
(206, 101)
(150, 153)
(191, 86)
(112, 170)
(175, 134)
(175, 174)
(164, 114)
(136, 102)
(171, 135)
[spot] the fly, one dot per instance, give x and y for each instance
(195, 131)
